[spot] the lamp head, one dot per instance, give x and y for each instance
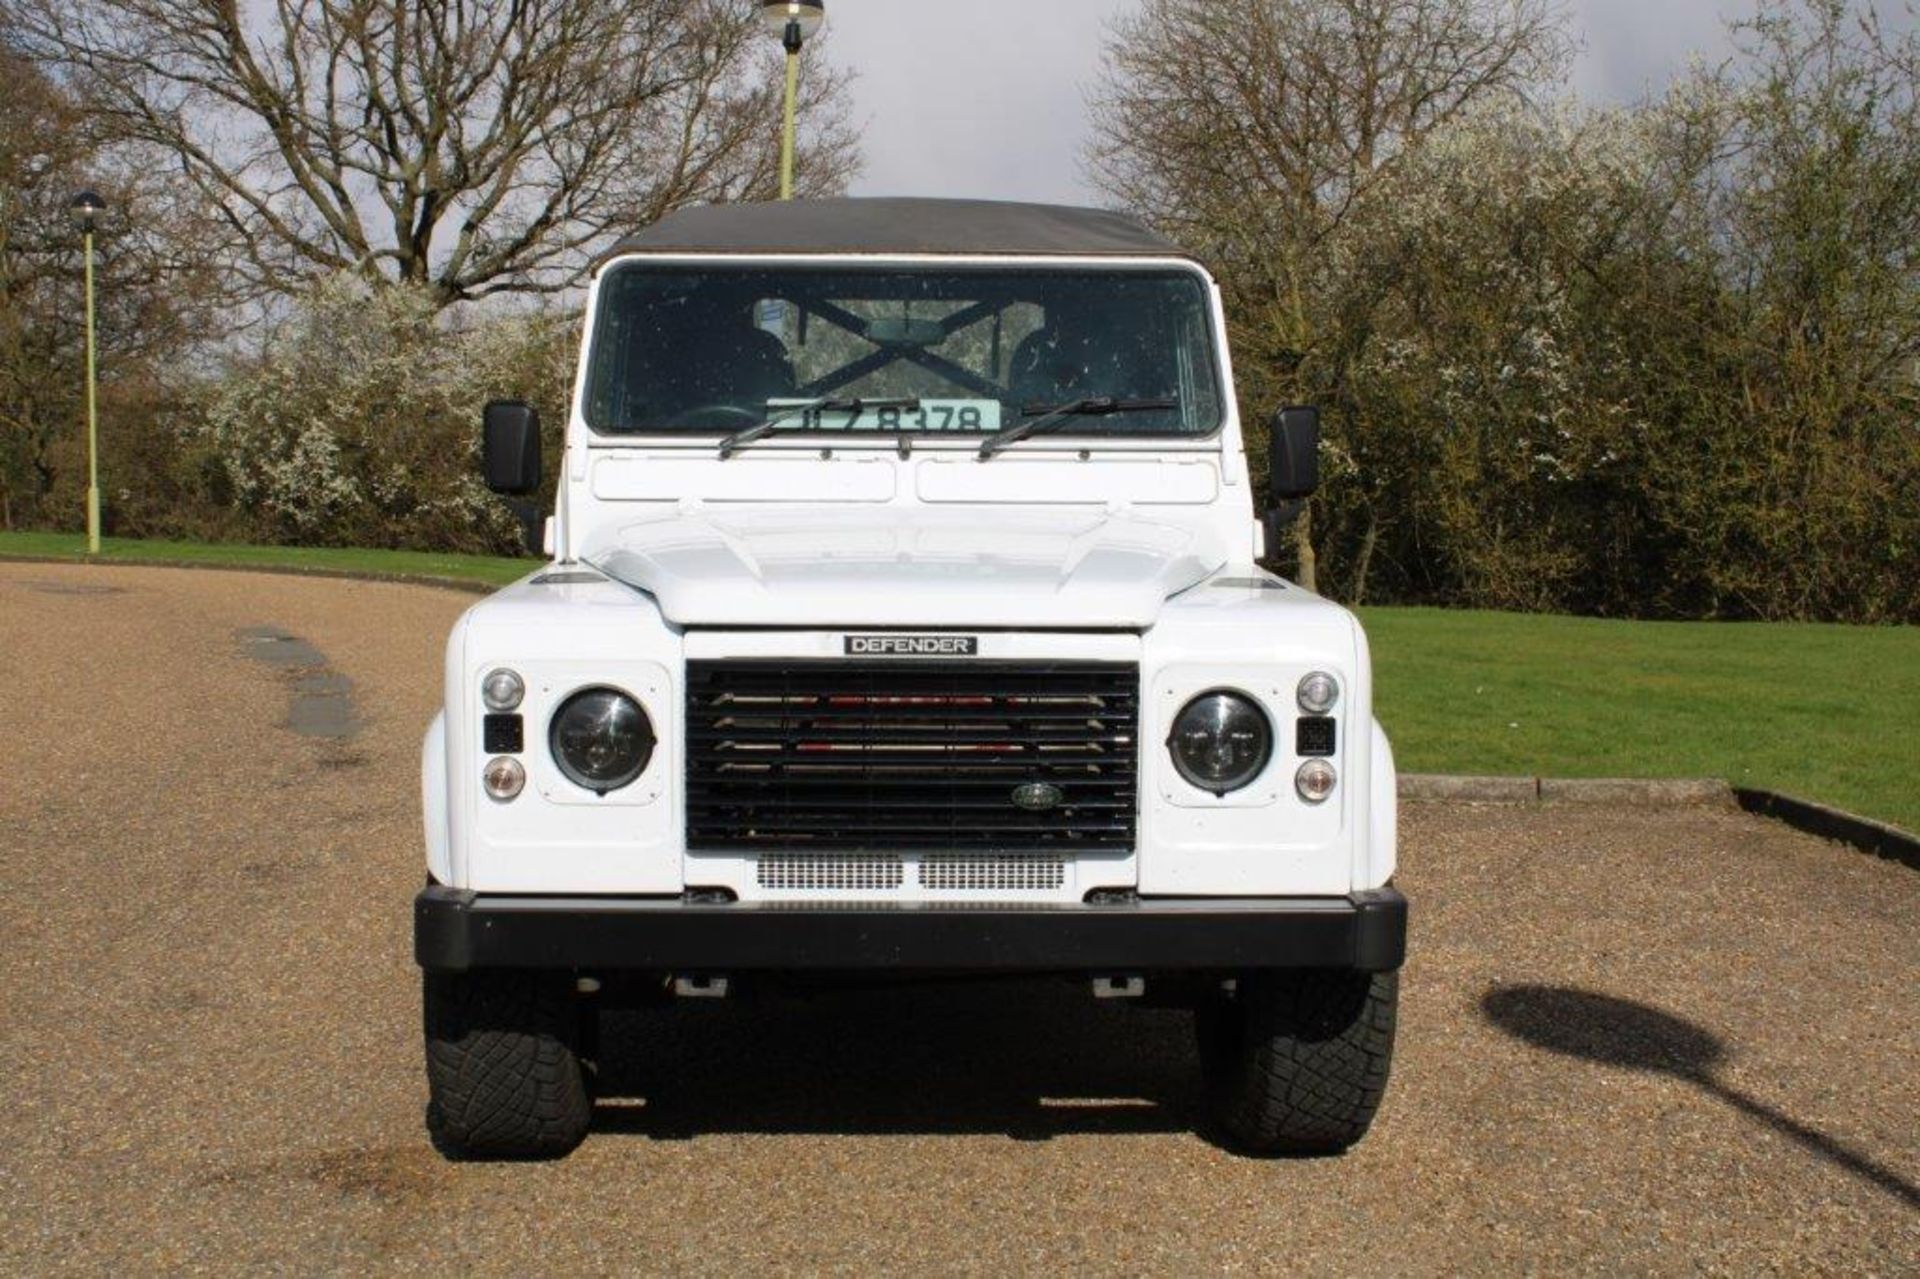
(780, 15)
(86, 209)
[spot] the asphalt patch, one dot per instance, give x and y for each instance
(320, 703)
(74, 588)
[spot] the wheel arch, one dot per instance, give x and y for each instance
(433, 800)
(1383, 818)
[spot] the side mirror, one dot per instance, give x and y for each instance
(510, 447)
(1294, 455)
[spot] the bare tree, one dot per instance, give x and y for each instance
(474, 147)
(1211, 109)
(1248, 128)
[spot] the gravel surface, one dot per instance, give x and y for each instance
(1644, 1041)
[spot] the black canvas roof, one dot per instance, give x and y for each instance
(898, 226)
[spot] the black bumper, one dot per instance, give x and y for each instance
(456, 931)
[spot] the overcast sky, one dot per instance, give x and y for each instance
(985, 97)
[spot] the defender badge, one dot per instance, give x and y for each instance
(1037, 797)
(913, 646)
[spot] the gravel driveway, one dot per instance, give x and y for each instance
(1658, 1041)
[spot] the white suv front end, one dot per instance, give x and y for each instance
(904, 618)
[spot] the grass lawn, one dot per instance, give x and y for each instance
(1829, 713)
(477, 568)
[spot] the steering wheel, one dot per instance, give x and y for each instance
(691, 417)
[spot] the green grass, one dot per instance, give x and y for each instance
(1830, 713)
(474, 568)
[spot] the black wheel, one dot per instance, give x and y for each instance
(504, 1078)
(1296, 1062)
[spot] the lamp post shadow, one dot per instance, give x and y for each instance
(1634, 1036)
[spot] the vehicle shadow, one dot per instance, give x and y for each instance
(1633, 1036)
(1031, 1060)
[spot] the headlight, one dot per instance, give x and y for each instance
(602, 739)
(502, 690)
(1318, 692)
(1221, 741)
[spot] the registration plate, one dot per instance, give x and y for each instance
(933, 416)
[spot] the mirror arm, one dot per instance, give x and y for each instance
(532, 517)
(1276, 520)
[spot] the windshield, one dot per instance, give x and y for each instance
(972, 351)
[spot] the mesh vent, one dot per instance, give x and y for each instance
(994, 874)
(830, 874)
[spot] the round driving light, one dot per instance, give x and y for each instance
(504, 778)
(1220, 741)
(1315, 781)
(502, 690)
(1318, 692)
(601, 739)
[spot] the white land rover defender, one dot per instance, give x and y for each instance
(904, 619)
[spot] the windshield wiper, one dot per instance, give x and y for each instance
(1093, 406)
(740, 439)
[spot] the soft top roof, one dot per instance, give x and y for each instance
(899, 226)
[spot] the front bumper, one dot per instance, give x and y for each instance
(457, 931)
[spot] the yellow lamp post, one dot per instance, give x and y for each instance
(86, 209)
(794, 21)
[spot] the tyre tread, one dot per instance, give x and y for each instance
(1298, 1063)
(503, 1075)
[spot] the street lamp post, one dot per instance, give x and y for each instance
(794, 21)
(86, 209)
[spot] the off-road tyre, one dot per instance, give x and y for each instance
(504, 1077)
(1296, 1063)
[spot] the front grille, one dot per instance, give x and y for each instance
(911, 755)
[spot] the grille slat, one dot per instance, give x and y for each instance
(737, 707)
(907, 754)
(961, 802)
(1073, 781)
(745, 740)
(773, 828)
(927, 754)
